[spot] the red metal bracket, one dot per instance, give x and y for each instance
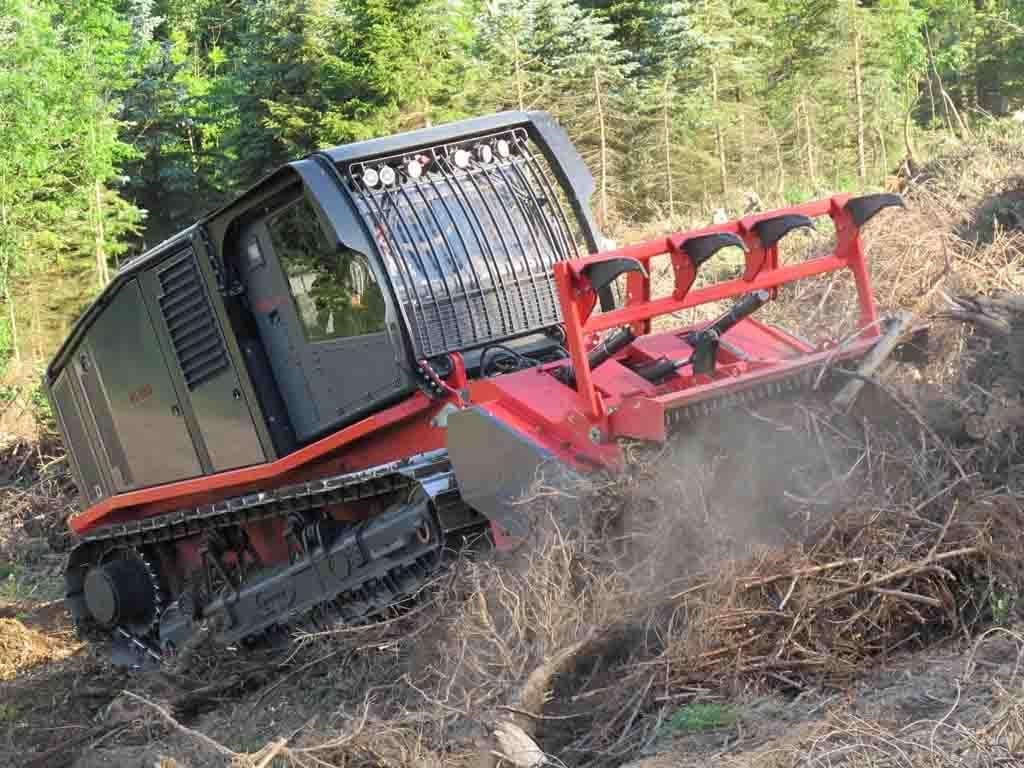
(762, 271)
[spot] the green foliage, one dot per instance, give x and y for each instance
(700, 717)
(62, 223)
(18, 584)
(977, 52)
(633, 24)
(121, 121)
(995, 599)
(42, 411)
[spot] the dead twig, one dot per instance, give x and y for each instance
(751, 582)
(879, 353)
(906, 571)
(201, 738)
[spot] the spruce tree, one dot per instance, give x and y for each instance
(62, 221)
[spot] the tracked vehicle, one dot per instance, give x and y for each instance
(285, 411)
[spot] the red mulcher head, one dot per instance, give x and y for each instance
(644, 385)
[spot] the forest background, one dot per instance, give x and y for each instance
(121, 121)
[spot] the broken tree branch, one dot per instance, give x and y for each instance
(844, 399)
(202, 738)
(521, 719)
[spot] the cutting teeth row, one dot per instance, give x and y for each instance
(754, 394)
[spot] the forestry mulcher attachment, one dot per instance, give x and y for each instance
(285, 412)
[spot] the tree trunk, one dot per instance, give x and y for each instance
(604, 148)
(96, 205)
(36, 323)
(743, 143)
(517, 62)
(99, 237)
(719, 138)
(931, 98)
(667, 124)
(423, 102)
(812, 171)
(947, 103)
(6, 265)
(884, 150)
(778, 159)
(858, 84)
(14, 323)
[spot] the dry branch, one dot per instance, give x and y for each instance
(874, 359)
(201, 738)
(519, 725)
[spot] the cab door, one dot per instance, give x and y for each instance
(322, 318)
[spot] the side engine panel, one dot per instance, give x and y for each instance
(129, 393)
(81, 447)
(149, 392)
(199, 355)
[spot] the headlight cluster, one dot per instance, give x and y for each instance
(387, 173)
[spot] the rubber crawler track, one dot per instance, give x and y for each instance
(378, 481)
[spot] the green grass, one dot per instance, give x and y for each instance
(1002, 601)
(18, 584)
(8, 712)
(697, 717)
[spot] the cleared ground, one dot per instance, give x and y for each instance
(790, 586)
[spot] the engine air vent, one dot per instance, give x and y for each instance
(190, 321)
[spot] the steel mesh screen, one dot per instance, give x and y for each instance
(469, 232)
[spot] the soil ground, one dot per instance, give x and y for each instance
(66, 707)
(797, 590)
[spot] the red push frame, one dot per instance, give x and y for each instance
(578, 298)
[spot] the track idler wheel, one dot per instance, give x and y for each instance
(120, 593)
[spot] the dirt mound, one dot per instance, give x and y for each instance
(22, 648)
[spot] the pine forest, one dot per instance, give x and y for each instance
(121, 121)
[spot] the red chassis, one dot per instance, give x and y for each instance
(578, 421)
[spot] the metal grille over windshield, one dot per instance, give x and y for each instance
(469, 232)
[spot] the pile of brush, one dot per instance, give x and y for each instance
(22, 648)
(871, 583)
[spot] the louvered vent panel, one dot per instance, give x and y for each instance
(189, 317)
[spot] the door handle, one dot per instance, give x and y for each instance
(275, 317)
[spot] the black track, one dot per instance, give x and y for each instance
(369, 589)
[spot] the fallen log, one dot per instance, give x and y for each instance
(874, 359)
(512, 736)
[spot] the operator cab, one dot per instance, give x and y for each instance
(358, 265)
(320, 314)
(312, 301)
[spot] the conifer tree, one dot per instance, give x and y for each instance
(61, 218)
(564, 59)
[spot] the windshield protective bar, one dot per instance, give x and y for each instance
(469, 231)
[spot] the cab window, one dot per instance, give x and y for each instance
(335, 293)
